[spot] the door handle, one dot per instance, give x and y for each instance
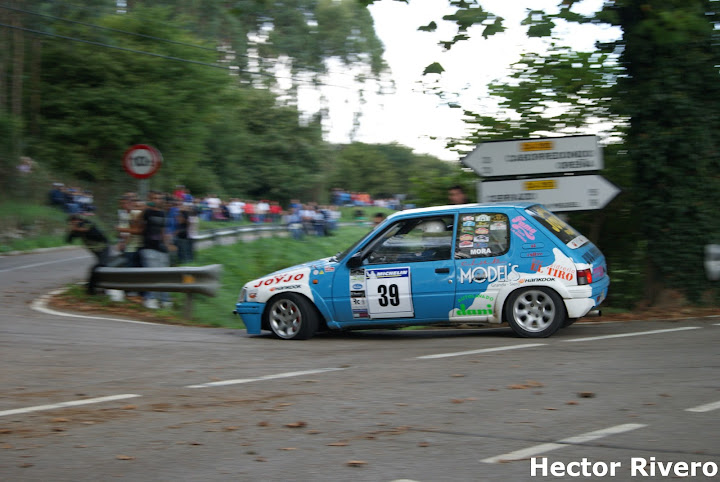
(442, 270)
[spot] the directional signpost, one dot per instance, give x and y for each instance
(564, 193)
(543, 171)
(550, 155)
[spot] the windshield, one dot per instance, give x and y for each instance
(343, 254)
(557, 226)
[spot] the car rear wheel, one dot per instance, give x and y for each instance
(535, 312)
(292, 317)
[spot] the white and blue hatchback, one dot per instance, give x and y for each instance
(473, 263)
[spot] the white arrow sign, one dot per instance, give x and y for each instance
(565, 193)
(536, 156)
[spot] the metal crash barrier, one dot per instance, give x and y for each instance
(185, 279)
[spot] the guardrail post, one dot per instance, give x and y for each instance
(188, 309)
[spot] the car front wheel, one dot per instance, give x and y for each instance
(535, 312)
(292, 317)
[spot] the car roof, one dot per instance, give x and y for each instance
(451, 208)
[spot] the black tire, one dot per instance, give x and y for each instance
(536, 312)
(292, 317)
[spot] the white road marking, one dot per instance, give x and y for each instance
(638, 333)
(40, 304)
(483, 350)
(266, 377)
(72, 403)
(34, 265)
(578, 439)
(708, 407)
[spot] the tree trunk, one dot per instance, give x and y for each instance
(18, 64)
(36, 84)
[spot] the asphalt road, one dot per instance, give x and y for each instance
(89, 398)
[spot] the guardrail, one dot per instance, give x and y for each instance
(183, 279)
(250, 232)
(239, 232)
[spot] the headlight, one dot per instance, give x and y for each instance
(243, 293)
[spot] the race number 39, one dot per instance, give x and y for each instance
(389, 293)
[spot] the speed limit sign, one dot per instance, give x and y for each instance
(142, 161)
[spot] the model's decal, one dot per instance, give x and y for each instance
(489, 274)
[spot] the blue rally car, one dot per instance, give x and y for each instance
(492, 263)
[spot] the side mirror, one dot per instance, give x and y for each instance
(355, 260)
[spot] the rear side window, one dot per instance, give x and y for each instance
(482, 234)
(557, 226)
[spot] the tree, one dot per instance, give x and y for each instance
(666, 91)
(671, 94)
(99, 101)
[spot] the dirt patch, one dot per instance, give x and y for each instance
(132, 308)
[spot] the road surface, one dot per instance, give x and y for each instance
(89, 398)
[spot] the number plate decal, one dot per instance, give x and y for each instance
(389, 293)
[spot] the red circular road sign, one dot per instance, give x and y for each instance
(142, 161)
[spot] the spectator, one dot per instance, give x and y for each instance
(334, 215)
(56, 195)
(378, 218)
(181, 235)
(275, 211)
(127, 228)
(261, 210)
(235, 207)
(294, 223)
(456, 195)
(26, 165)
(179, 192)
(318, 221)
(250, 211)
(94, 240)
(156, 244)
(307, 218)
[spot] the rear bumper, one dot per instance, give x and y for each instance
(585, 298)
(251, 314)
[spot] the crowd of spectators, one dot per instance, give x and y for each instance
(72, 200)
(160, 231)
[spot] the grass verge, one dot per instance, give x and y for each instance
(24, 227)
(241, 262)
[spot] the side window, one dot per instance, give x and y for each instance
(482, 234)
(413, 240)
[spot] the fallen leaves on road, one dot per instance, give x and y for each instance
(296, 424)
(356, 463)
(526, 385)
(125, 457)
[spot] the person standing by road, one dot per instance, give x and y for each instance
(456, 195)
(94, 240)
(156, 244)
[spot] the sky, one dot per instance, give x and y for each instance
(419, 120)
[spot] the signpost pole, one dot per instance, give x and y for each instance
(143, 188)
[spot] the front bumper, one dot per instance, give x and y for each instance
(251, 314)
